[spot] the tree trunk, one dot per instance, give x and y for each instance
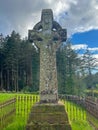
(29, 73)
(16, 79)
(17, 89)
(8, 80)
(1, 80)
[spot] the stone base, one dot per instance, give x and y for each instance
(48, 98)
(48, 117)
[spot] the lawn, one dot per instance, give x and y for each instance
(22, 111)
(92, 120)
(6, 96)
(76, 114)
(81, 125)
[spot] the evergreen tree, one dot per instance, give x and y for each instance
(1, 61)
(89, 64)
(11, 51)
(67, 64)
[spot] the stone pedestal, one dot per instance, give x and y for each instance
(48, 117)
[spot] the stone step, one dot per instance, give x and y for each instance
(48, 117)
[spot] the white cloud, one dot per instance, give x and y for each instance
(93, 49)
(81, 16)
(96, 56)
(75, 15)
(84, 47)
(79, 46)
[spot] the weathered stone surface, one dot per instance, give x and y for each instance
(48, 35)
(48, 117)
(48, 114)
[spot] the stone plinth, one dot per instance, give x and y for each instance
(48, 117)
(50, 98)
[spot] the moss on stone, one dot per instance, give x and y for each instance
(48, 117)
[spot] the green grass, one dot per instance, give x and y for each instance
(81, 125)
(93, 120)
(76, 114)
(22, 112)
(6, 109)
(6, 96)
(18, 124)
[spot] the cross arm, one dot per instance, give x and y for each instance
(34, 37)
(59, 36)
(62, 32)
(63, 35)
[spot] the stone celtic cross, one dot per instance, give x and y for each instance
(47, 36)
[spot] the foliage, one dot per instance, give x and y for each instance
(67, 66)
(92, 92)
(20, 67)
(19, 64)
(75, 70)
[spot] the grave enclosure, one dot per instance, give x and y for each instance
(48, 113)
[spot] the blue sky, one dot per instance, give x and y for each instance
(86, 40)
(90, 38)
(79, 17)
